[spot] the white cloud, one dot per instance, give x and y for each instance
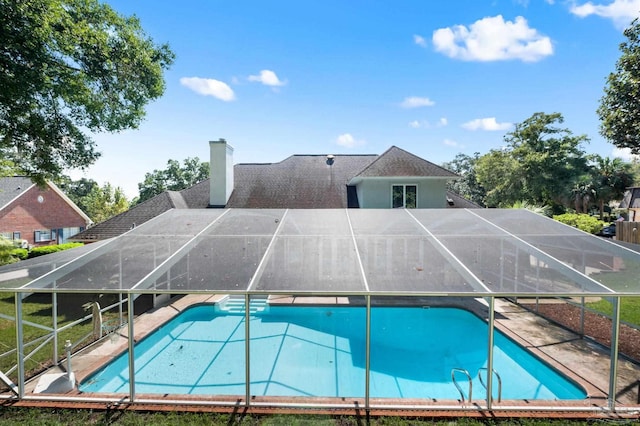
(621, 12)
(209, 87)
(416, 124)
(624, 154)
(449, 142)
(488, 123)
(419, 40)
(268, 78)
(348, 141)
(416, 102)
(493, 39)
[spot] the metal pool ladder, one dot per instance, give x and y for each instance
(455, 382)
(499, 382)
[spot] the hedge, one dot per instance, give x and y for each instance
(584, 222)
(41, 251)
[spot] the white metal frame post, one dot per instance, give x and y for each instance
(132, 342)
(613, 372)
(490, 328)
(20, 345)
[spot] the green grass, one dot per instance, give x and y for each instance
(49, 417)
(629, 309)
(37, 309)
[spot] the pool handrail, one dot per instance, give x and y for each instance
(499, 381)
(455, 382)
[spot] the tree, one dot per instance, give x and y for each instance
(539, 165)
(173, 178)
(619, 109)
(105, 202)
(467, 186)
(77, 190)
(499, 174)
(611, 177)
(66, 67)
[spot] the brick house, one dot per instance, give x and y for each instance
(39, 216)
(395, 178)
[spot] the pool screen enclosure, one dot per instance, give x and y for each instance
(478, 253)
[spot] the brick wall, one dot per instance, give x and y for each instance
(27, 214)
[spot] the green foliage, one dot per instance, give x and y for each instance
(104, 202)
(98, 202)
(539, 161)
(41, 251)
(6, 252)
(77, 190)
(611, 178)
(467, 186)
(543, 210)
(174, 178)
(584, 222)
(66, 67)
(497, 172)
(20, 253)
(619, 109)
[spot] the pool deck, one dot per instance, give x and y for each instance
(582, 360)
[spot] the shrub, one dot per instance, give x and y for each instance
(20, 253)
(40, 251)
(583, 222)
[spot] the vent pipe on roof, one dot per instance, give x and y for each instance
(330, 159)
(220, 173)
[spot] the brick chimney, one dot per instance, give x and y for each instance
(220, 173)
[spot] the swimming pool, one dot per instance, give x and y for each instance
(320, 351)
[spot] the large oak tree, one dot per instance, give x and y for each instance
(69, 68)
(539, 164)
(619, 109)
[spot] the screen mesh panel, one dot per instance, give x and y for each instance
(318, 263)
(478, 251)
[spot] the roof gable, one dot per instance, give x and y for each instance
(13, 187)
(398, 162)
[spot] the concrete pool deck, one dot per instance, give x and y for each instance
(584, 361)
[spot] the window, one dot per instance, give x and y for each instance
(404, 196)
(16, 235)
(42, 235)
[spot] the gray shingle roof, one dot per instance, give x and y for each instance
(398, 162)
(12, 187)
(298, 182)
(136, 215)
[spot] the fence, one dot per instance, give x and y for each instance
(628, 232)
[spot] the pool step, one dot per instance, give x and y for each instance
(234, 304)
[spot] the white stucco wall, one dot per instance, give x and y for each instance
(376, 193)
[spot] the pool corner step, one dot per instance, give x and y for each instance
(235, 304)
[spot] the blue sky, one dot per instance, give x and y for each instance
(436, 78)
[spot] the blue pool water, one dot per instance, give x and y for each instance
(320, 351)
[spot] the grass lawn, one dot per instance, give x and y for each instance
(37, 309)
(42, 417)
(629, 309)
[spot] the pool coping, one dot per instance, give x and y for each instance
(508, 317)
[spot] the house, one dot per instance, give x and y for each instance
(631, 202)
(38, 215)
(393, 179)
